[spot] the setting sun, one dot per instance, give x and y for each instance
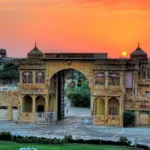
(124, 53)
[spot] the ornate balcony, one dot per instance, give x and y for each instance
(143, 82)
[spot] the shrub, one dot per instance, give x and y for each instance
(5, 136)
(124, 141)
(79, 96)
(142, 146)
(128, 118)
(67, 138)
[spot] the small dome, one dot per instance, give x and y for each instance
(138, 53)
(36, 53)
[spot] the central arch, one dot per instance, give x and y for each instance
(56, 90)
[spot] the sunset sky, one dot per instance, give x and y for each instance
(111, 26)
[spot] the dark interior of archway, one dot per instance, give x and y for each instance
(40, 108)
(61, 76)
(61, 91)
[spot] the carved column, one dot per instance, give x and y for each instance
(46, 104)
(121, 79)
(140, 72)
(9, 113)
(121, 107)
(133, 80)
(106, 79)
(33, 104)
(20, 77)
(106, 105)
(137, 118)
(146, 71)
(34, 76)
(22, 103)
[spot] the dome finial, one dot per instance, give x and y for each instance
(35, 44)
(138, 44)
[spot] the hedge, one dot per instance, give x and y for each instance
(6, 136)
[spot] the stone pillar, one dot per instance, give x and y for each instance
(106, 105)
(9, 113)
(106, 79)
(95, 106)
(33, 104)
(21, 103)
(34, 76)
(46, 104)
(121, 79)
(146, 72)
(121, 108)
(20, 77)
(137, 118)
(140, 72)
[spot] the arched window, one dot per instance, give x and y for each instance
(27, 77)
(113, 79)
(100, 79)
(113, 111)
(148, 73)
(143, 72)
(40, 77)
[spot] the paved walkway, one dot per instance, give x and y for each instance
(69, 126)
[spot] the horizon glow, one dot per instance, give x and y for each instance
(86, 26)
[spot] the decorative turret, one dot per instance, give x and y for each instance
(138, 53)
(35, 53)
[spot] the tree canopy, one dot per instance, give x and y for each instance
(79, 96)
(9, 73)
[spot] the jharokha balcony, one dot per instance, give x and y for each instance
(138, 105)
(144, 82)
(109, 120)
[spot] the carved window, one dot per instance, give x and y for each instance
(27, 77)
(139, 74)
(129, 80)
(148, 73)
(40, 77)
(143, 72)
(100, 79)
(113, 111)
(113, 79)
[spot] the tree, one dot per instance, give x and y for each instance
(128, 118)
(79, 96)
(9, 73)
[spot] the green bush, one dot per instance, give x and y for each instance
(124, 141)
(5, 136)
(79, 96)
(128, 118)
(67, 138)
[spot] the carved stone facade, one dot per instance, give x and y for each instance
(115, 85)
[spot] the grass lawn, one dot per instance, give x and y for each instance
(17, 146)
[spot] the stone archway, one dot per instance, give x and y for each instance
(15, 113)
(113, 106)
(27, 104)
(3, 113)
(100, 106)
(40, 108)
(40, 103)
(56, 92)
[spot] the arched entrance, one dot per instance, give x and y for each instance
(15, 113)
(27, 104)
(40, 104)
(69, 90)
(113, 105)
(3, 113)
(40, 108)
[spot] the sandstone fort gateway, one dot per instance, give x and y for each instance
(115, 85)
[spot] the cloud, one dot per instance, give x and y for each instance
(115, 5)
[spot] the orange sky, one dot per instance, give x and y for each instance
(111, 26)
